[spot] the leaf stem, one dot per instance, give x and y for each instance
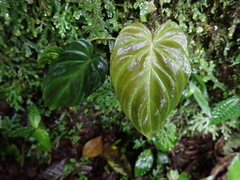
(105, 38)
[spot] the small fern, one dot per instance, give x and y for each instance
(225, 109)
(201, 123)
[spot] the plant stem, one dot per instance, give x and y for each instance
(105, 38)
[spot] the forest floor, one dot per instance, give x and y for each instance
(198, 156)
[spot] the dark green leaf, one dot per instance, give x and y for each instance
(225, 109)
(234, 169)
(74, 75)
(34, 116)
(149, 73)
(25, 132)
(48, 55)
(202, 101)
(144, 162)
(43, 138)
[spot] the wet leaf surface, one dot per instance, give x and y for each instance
(149, 72)
(144, 162)
(74, 75)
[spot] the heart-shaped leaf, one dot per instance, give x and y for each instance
(149, 73)
(74, 75)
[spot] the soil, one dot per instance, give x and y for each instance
(198, 156)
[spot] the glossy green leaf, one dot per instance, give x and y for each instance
(48, 55)
(225, 109)
(144, 162)
(43, 138)
(149, 73)
(74, 75)
(234, 169)
(34, 116)
(202, 101)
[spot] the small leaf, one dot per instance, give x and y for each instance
(93, 147)
(25, 132)
(234, 169)
(34, 116)
(202, 101)
(144, 162)
(225, 109)
(74, 75)
(203, 85)
(172, 175)
(48, 55)
(162, 158)
(183, 176)
(149, 72)
(43, 138)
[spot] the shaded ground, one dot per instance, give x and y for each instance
(197, 155)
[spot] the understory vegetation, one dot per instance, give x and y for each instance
(95, 140)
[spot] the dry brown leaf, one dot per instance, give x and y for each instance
(93, 147)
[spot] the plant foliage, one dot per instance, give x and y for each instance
(144, 162)
(149, 73)
(226, 109)
(74, 75)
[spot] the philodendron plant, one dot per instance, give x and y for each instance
(148, 71)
